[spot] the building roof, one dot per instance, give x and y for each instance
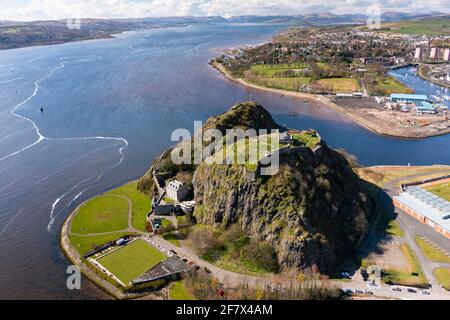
(427, 204)
(424, 105)
(406, 96)
(175, 184)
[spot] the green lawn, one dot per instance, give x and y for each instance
(84, 244)
(443, 277)
(343, 85)
(308, 139)
(430, 252)
(181, 220)
(435, 26)
(388, 85)
(442, 190)
(141, 203)
(178, 291)
(394, 229)
(413, 276)
(273, 70)
(131, 261)
(101, 214)
(172, 238)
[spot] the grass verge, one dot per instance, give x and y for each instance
(430, 252)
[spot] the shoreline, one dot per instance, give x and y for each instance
(76, 259)
(373, 127)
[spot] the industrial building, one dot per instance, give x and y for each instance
(407, 98)
(425, 206)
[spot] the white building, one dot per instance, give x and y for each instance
(176, 191)
(434, 53)
(418, 53)
(447, 54)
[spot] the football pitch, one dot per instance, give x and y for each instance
(132, 260)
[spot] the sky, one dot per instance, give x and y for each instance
(26, 10)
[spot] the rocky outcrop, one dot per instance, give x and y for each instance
(314, 211)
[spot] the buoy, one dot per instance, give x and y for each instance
(42, 109)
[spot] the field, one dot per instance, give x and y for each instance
(343, 85)
(429, 26)
(101, 214)
(131, 261)
(275, 69)
(141, 203)
(388, 85)
(430, 252)
(442, 190)
(443, 277)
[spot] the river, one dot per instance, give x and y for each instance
(109, 107)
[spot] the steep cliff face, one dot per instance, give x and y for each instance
(314, 211)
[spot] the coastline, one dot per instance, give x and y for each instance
(371, 126)
(424, 77)
(76, 259)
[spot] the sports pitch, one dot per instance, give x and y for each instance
(131, 261)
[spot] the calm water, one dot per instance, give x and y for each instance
(109, 109)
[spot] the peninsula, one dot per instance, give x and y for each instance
(335, 66)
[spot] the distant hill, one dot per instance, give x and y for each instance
(15, 34)
(438, 25)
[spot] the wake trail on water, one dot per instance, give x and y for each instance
(41, 137)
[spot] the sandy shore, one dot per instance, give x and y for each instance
(379, 127)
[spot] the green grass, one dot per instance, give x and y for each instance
(388, 85)
(269, 71)
(436, 26)
(442, 190)
(101, 214)
(430, 252)
(346, 85)
(443, 277)
(181, 220)
(172, 238)
(394, 229)
(178, 291)
(308, 139)
(131, 261)
(414, 276)
(84, 244)
(141, 204)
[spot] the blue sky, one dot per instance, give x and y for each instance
(60, 9)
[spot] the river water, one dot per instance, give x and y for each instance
(109, 109)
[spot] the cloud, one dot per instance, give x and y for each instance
(60, 9)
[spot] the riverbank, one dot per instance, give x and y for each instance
(364, 116)
(424, 77)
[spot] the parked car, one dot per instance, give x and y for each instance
(359, 291)
(396, 289)
(426, 292)
(347, 291)
(412, 290)
(368, 291)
